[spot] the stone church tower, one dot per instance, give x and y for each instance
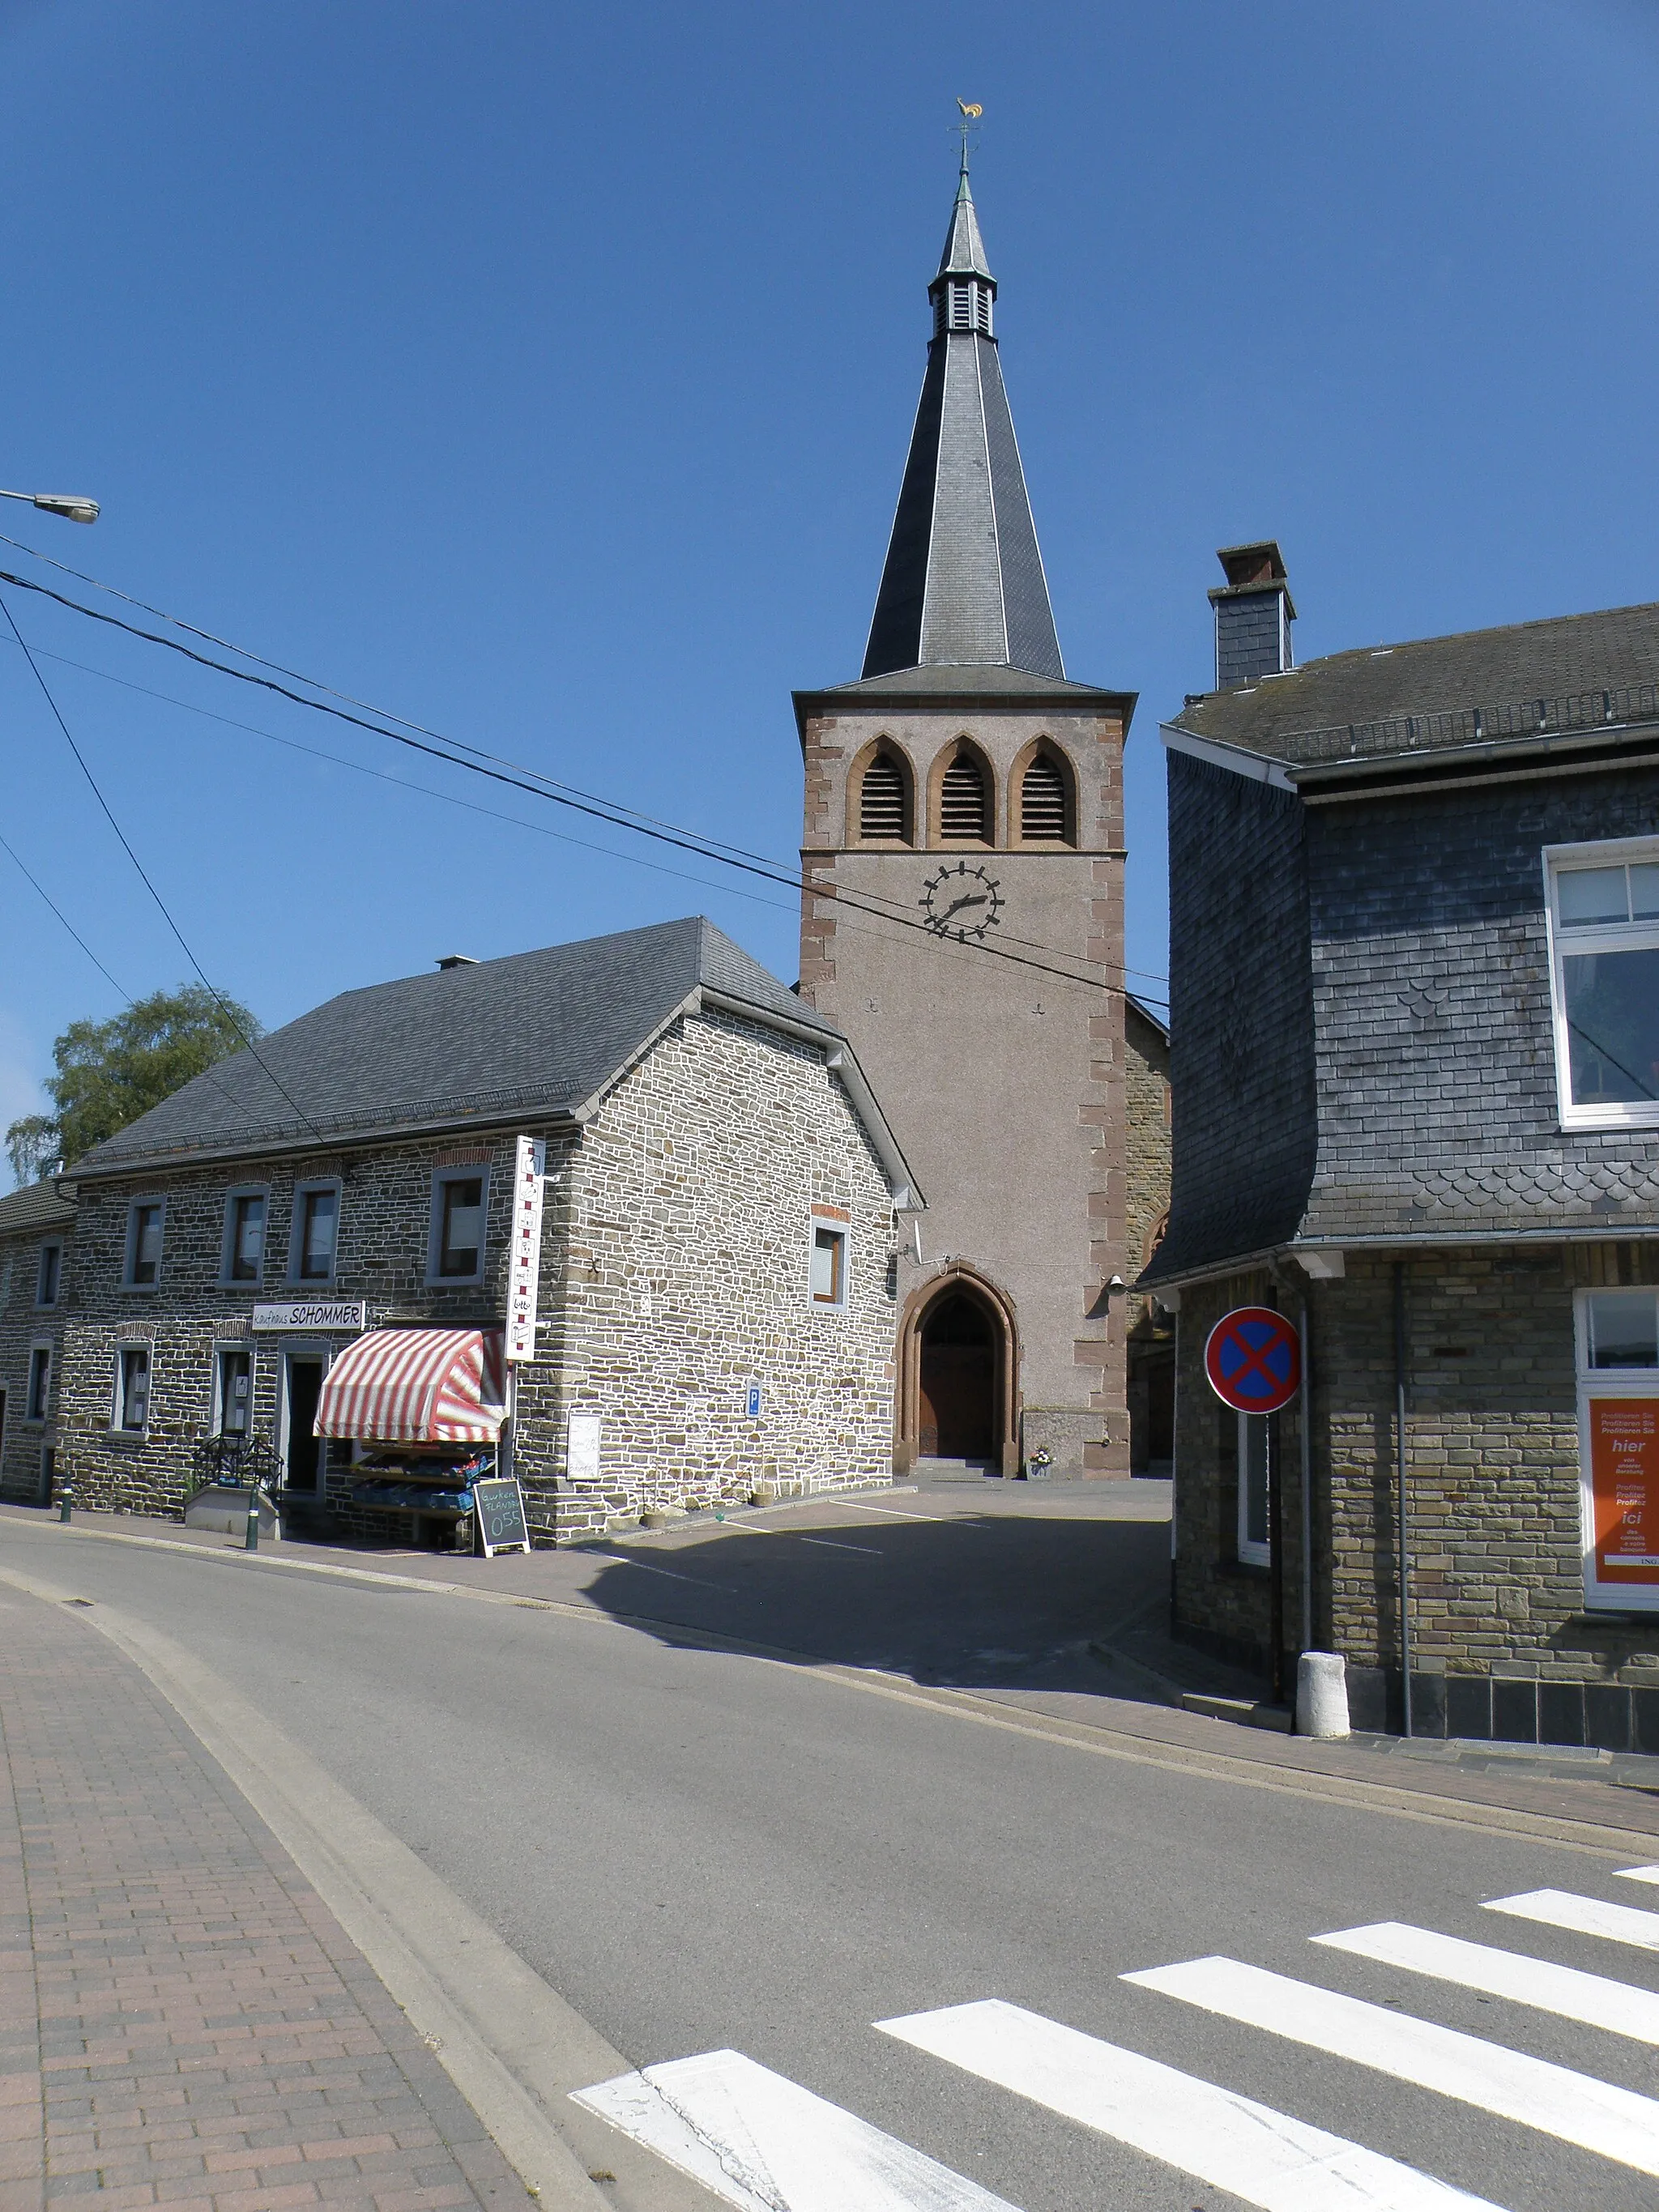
(962, 921)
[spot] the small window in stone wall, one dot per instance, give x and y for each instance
(458, 1208)
(829, 1265)
(144, 1224)
(38, 1402)
(316, 1233)
(1604, 927)
(49, 1275)
(130, 1412)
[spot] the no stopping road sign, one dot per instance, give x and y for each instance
(1253, 1360)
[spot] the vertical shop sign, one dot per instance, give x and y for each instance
(524, 1266)
(1624, 1484)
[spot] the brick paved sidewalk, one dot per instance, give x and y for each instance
(182, 2022)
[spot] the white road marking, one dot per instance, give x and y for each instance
(1591, 1998)
(894, 1513)
(1576, 2108)
(1637, 1873)
(618, 1559)
(1230, 2142)
(828, 1544)
(763, 2143)
(1583, 1916)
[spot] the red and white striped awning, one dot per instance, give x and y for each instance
(417, 1386)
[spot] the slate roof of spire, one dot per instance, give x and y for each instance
(963, 586)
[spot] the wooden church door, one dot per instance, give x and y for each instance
(958, 1381)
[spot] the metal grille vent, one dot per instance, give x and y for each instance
(962, 811)
(1042, 802)
(882, 810)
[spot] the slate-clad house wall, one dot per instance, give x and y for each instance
(700, 1124)
(1364, 859)
(35, 1223)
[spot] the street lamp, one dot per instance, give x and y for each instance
(52, 502)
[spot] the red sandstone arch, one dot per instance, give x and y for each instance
(958, 1278)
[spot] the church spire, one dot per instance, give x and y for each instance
(964, 585)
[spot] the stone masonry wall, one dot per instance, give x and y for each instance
(681, 1236)
(384, 1223)
(23, 1325)
(1502, 1644)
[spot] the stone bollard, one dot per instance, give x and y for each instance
(1321, 1694)
(250, 1541)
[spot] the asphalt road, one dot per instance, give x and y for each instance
(703, 1850)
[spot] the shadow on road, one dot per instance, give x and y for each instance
(970, 1600)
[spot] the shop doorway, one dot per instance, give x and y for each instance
(302, 1447)
(958, 1380)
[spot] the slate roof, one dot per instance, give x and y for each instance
(963, 584)
(1572, 673)
(34, 1208)
(540, 1033)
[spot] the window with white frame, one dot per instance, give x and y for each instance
(49, 1273)
(1604, 932)
(244, 1236)
(38, 1402)
(233, 1390)
(1617, 1336)
(316, 1228)
(1253, 1529)
(828, 1274)
(456, 1251)
(130, 1411)
(145, 1219)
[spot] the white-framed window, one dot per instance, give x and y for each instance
(1254, 1533)
(233, 1390)
(315, 1236)
(827, 1259)
(1616, 1335)
(455, 1248)
(49, 1273)
(243, 1260)
(1603, 906)
(130, 1411)
(146, 1219)
(37, 1402)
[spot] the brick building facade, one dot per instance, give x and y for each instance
(718, 1236)
(1415, 922)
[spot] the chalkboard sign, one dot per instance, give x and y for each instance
(499, 1505)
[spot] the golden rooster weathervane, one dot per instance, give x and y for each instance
(971, 112)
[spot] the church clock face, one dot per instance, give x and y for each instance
(964, 903)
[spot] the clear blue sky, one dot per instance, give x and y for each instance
(546, 373)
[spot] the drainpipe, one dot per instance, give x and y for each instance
(1399, 1484)
(1276, 1557)
(1175, 1464)
(1306, 1425)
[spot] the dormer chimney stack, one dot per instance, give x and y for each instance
(1253, 612)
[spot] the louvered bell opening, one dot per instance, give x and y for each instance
(962, 811)
(962, 307)
(882, 810)
(1042, 803)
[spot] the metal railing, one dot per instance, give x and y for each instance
(236, 1463)
(1574, 714)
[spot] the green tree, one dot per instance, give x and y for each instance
(110, 1072)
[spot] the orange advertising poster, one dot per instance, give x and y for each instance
(1624, 1442)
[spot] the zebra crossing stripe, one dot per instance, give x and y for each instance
(1576, 2108)
(760, 2141)
(1591, 1998)
(1637, 1873)
(1583, 1916)
(1263, 2157)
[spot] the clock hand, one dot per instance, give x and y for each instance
(968, 898)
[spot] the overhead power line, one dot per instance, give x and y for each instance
(530, 780)
(217, 996)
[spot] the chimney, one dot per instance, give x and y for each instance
(1252, 614)
(456, 960)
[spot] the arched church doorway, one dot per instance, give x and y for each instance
(958, 1395)
(957, 1379)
